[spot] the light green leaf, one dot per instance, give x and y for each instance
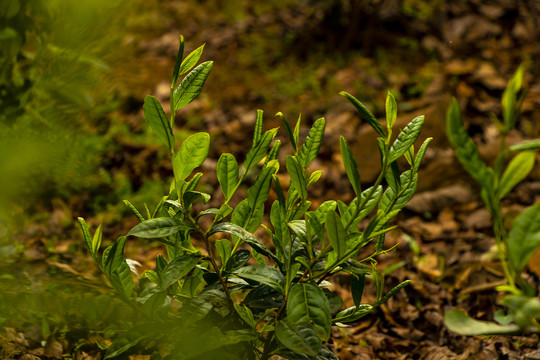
(524, 237)
(258, 193)
(177, 269)
(406, 138)
(258, 127)
(192, 85)
(86, 234)
(296, 174)
(313, 143)
(191, 155)
(420, 155)
(264, 274)
(314, 177)
(224, 249)
(517, 170)
(96, 240)
(308, 304)
(526, 145)
(134, 210)
(117, 269)
(367, 208)
(391, 110)
(159, 227)
(395, 201)
(509, 98)
(351, 168)
(190, 60)
(154, 114)
(366, 114)
(353, 313)
(243, 234)
(260, 149)
(459, 322)
(301, 338)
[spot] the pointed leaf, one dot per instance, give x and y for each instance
(237, 260)
(526, 145)
(516, 171)
(336, 234)
(351, 168)
(289, 132)
(391, 110)
(406, 138)
(260, 149)
(178, 61)
(191, 155)
(353, 313)
(396, 201)
(313, 143)
(117, 269)
(258, 127)
(296, 174)
(192, 85)
(190, 60)
(159, 227)
(154, 114)
(366, 114)
(177, 269)
(258, 193)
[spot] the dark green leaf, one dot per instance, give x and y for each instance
(263, 274)
(178, 61)
(124, 342)
(159, 227)
(459, 322)
(351, 168)
(366, 114)
(524, 237)
(224, 248)
(300, 338)
(154, 114)
(289, 131)
(117, 269)
(406, 138)
(243, 234)
(357, 288)
(336, 234)
(516, 171)
(391, 201)
(259, 191)
(191, 155)
(308, 304)
(190, 197)
(177, 269)
(237, 260)
(391, 293)
(192, 85)
(313, 143)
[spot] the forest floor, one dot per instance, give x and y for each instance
(466, 49)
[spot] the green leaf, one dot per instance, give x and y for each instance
(124, 342)
(86, 234)
(395, 201)
(308, 304)
(96, 240)
(246, 217)
(190, 60)
(190, 197)
(243, 234)
(353, 313)
(260, 149)
(245, 313)
(367, 208)
(466, 149)
(296, 174)
(192, 85)
(517, 170)
(420, 155)
(357, 288)
(224, 249)
(159, 227)
(178, 61)
(336, 234)
(154, 114)
(391, 293)
(301, 338)
(524, 237)
(526, 145)
(366, 114)
(351, 168)
(237, 260)
(134, 210)
(117, 269)
(263, 274)
(459, 322)
(391, 110)
(177, 269)
(273, 153)
(314, 177)
(406, 138)
(258, 193)
(191, 155)
(509, 99)
(289, 132)
(313, 143)
(258, 127)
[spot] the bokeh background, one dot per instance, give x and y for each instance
(73, 141)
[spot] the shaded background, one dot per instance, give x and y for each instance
(74, 142)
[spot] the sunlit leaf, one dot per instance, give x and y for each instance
(313, 143)
(154, 114)
(159, 227)
(192, 85)
(191, 155)
(517, 170)
(524, 237)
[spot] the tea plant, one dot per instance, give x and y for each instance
(233, 296)
(515, 246)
